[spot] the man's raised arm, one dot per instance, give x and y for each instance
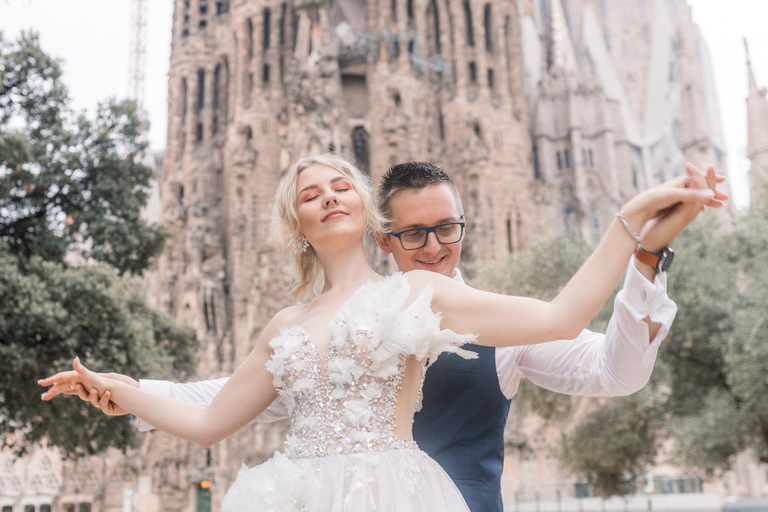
(616, 363)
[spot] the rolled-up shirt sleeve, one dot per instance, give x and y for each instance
(202, 393)
(616, 363)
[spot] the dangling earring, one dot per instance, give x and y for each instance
(300, 243)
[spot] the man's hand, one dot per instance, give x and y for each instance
(660, 232)
(70, 383)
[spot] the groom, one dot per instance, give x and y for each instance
(466, 402)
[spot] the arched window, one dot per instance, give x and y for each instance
(281, 25)
(393, 11)
(199, 105)
(267, 21)
(249, 30)
(185, 18)
(248, 137)
(488, 28)
(468, 23)
(536, 166)
(360, 140)
(183, 100)
(216, 97)
(200, 90)
(265, 74)
(203, 8)
(220, 95)
(433, 28)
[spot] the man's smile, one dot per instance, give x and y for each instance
(431, 263)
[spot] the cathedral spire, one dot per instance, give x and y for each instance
(757, 116)
(753, 88)
(563, 53)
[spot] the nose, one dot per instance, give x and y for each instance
(432, 246)
(331, 200)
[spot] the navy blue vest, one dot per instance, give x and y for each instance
(461, 425)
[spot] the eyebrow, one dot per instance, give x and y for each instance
(422, 225)
(334, 180)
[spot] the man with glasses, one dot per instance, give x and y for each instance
(466, 402)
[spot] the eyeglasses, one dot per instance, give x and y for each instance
(416, 238)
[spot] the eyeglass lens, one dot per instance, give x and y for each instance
(417, 238)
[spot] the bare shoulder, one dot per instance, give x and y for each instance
(284, 318)
(421, 278)
(442, 285)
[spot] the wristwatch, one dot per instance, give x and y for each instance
(659, 260)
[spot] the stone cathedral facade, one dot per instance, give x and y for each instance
(549, 114)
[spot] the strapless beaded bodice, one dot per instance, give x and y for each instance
(346, 402)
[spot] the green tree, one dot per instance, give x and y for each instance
(708, 392)
(72, 189)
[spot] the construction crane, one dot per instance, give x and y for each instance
(137, 57)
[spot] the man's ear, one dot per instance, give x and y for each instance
(383, 241)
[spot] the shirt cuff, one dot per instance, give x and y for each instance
(156, 387)
(642, 297)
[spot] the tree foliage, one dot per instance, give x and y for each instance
(709, 389)
(72, 189)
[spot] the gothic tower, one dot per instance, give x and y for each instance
(254, 85)
(757, 149)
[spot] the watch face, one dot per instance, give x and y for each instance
(666, 259)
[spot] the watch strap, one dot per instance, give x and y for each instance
(651, 259)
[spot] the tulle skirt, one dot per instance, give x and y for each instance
(398, 480)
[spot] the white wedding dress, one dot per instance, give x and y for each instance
(346, 451)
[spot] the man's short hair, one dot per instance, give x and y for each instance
(413, 175)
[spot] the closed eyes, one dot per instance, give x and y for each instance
(312, 198)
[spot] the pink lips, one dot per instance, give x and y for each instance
(334, 213)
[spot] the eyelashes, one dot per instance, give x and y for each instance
(312, 198)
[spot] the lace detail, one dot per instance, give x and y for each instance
(347, 404)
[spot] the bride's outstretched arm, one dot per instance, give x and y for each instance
(501, 320)
(247, 393)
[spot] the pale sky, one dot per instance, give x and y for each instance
(93, 38)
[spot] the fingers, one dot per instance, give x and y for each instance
(93, 397)
(53, 379)
(87, 377)
(81, 392)
(57, 389)
(668, 199)
(711, 178)
(104, 404)
(679, 182)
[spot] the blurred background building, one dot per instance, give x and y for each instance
(549, 114)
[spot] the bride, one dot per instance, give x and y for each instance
(349, 363)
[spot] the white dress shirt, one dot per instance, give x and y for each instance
(616, 363)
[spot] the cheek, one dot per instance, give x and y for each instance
(305, 215)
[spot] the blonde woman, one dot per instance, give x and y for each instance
(349, 361)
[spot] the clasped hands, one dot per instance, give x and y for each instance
(93, 387)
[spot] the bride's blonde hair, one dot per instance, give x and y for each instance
(308, 273)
